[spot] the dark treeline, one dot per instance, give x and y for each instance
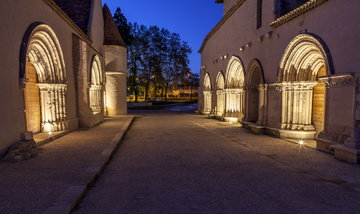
(157, 58)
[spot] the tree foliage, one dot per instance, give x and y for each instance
(156, 57)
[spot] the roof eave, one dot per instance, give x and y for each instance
(232, 10)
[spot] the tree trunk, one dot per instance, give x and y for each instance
(147, 90)
(162, 93)
(135, 88)
(166, 90)
(155, 89)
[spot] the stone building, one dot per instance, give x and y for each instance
(287, 68)
(64, 67)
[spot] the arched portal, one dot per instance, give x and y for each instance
(95, 90)
(254, 81)
(207, 94)
(234, 89)
(44, 71)
(220, 94)
(303, 94)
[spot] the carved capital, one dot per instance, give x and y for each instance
(220, 92)
(295, 86)
(262, 87)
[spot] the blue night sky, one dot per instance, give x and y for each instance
(192, 19)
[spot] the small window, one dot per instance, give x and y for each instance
(259, 14)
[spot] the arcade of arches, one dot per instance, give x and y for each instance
(299, 88)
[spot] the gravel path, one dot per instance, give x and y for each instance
(183, 163)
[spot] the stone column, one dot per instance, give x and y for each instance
(52, 99)
(207, 101)
(297, 105)
(220, 102)
(262, 104)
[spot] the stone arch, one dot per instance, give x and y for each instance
(234, 89)
(96, 85)
(220, 94)
(207, 93)
(254, 84)
(41, 52)
(305, 59)
(235, 74)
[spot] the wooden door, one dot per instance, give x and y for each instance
(32, 100)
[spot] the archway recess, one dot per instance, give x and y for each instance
(254, 92)
(95, 91)
(44, 54)
(220, 94)
(234, 89)
(207, 94)
(305, 59)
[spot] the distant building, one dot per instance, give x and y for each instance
(60, 58)
(287, 68)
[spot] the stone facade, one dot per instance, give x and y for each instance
(287, 72)
(53, 74)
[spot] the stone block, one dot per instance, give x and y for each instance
(28, 136)
(258, 130)
(347, 154)
(325, 145)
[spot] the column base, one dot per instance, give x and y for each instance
(219, 117)
(297, 134)
(230, 119)
(258, 130)
(204, 112)
(211, 116)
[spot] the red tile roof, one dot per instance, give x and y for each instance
(77, 10)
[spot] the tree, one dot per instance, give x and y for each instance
(176, 60)
(123, 27)
(193, 82)
(154, 56)
(134, 58)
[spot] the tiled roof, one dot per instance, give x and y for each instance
(111, 32)
(77, 10)
(311, 4)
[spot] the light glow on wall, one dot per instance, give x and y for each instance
(207, 94)
(234, 92)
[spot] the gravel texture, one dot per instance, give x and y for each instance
(177, 162)
(34, 185)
